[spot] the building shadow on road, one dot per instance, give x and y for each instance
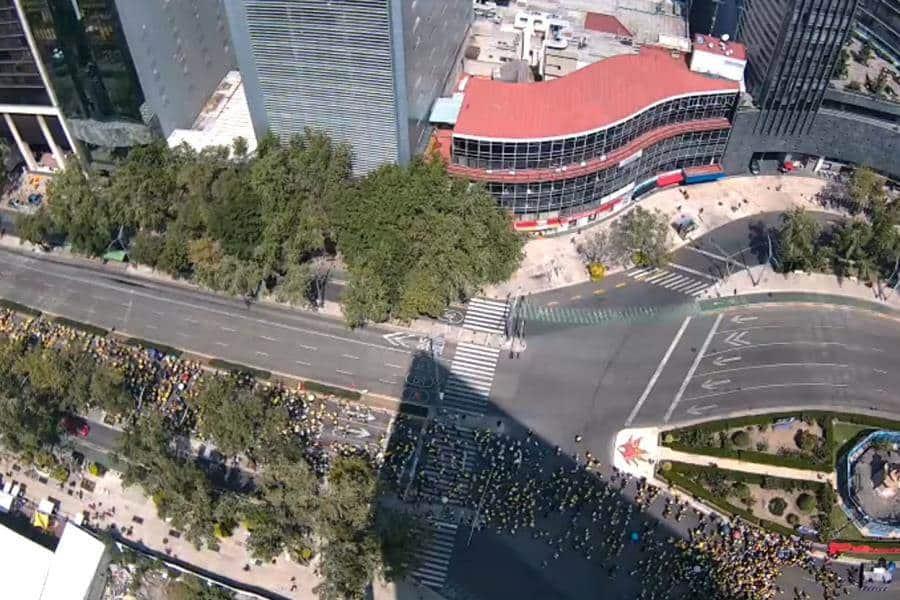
(510, 514)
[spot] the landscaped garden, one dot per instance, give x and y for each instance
(811, 441)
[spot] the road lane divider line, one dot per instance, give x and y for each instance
(781, 326)
(229, 329)
(27, 265)
(690, 374)
(343, 372)
(776, 366)
(302, 363)
(658, 372)
(800, 342)
(393, 366)
(305, 347)
(268, 338)
(770, 386)
(261, 353)
(350, 356)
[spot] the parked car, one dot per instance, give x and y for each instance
(76, 426)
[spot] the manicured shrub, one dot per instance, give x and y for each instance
(792, 519)
(741, 439)
(740, 491)
(806, 502)
(777, 506)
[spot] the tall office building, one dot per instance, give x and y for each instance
(366, 71)
(800, 108)
(792, 48)
(70, 81)
(879, 21)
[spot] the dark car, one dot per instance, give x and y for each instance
(76, 426)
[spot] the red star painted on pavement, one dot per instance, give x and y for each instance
(631, 451)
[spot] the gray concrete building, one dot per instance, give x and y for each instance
(796, 108)
(365, 71)
(181, 50)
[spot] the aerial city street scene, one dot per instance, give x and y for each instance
(449, 299)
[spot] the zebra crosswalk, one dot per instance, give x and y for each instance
(483, 314)
(468, 386)
(448, 466)
(671, 280)
(435, 555)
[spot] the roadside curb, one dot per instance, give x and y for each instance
(793, 297)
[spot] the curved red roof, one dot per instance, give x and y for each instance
(588, 99)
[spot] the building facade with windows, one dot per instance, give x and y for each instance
(70, 82)
(794, 111)
(563, 152)
(365, 71)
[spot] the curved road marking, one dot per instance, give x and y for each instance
(656, 374)
(774, 366)
(847, 346)
(782, 326)
(693, 369)
(768, 386)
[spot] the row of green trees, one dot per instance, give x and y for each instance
(292, 510)
(40, 385)
(867, 248)
(413, 238)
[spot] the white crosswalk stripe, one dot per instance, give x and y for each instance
(468, 385)
(435, 555)
(483, 314)
(670, 280)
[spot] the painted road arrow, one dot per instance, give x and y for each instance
(736, 339)
(710, 384)
(722, 360)
(739, 319)
(699, 410)
(403, 339)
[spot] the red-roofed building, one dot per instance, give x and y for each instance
(559, 153)
(606, 24)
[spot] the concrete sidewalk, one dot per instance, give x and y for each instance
(762, 279)
(732, 464)
(553, 262)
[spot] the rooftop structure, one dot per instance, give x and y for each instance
(869, 484)
(592, 98)
(225, 117)
(75, 571)
(558, 37)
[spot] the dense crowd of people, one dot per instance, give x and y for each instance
(640, 538)
(170, 384)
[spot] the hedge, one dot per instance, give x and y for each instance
(86, 327)
(322, 388)
(771, 482)
(20, 308)
(153, 345)
(698, 491)
(224, 365)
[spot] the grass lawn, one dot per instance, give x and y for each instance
(844, 529)
(843, 432)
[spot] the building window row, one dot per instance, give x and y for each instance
(486, 154)
(543, 199)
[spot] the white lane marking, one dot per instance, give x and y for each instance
(268, 338)
(658, 372)
(156, 313)
(677, 399)
(228, 329)
(191, 321)
(302, 363)
(737, 340)
(305, 347)
(222, 344)
(739, 319)
(722, 361)
(342, 372)
(350, 356)
(150, 326)
(774, 366)
(692, 271)
(260, 353)
(388, 381)
(26, 265)
(802, 342)
(781, 326)
(769, 386)
(393, 366)
(880, 372)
